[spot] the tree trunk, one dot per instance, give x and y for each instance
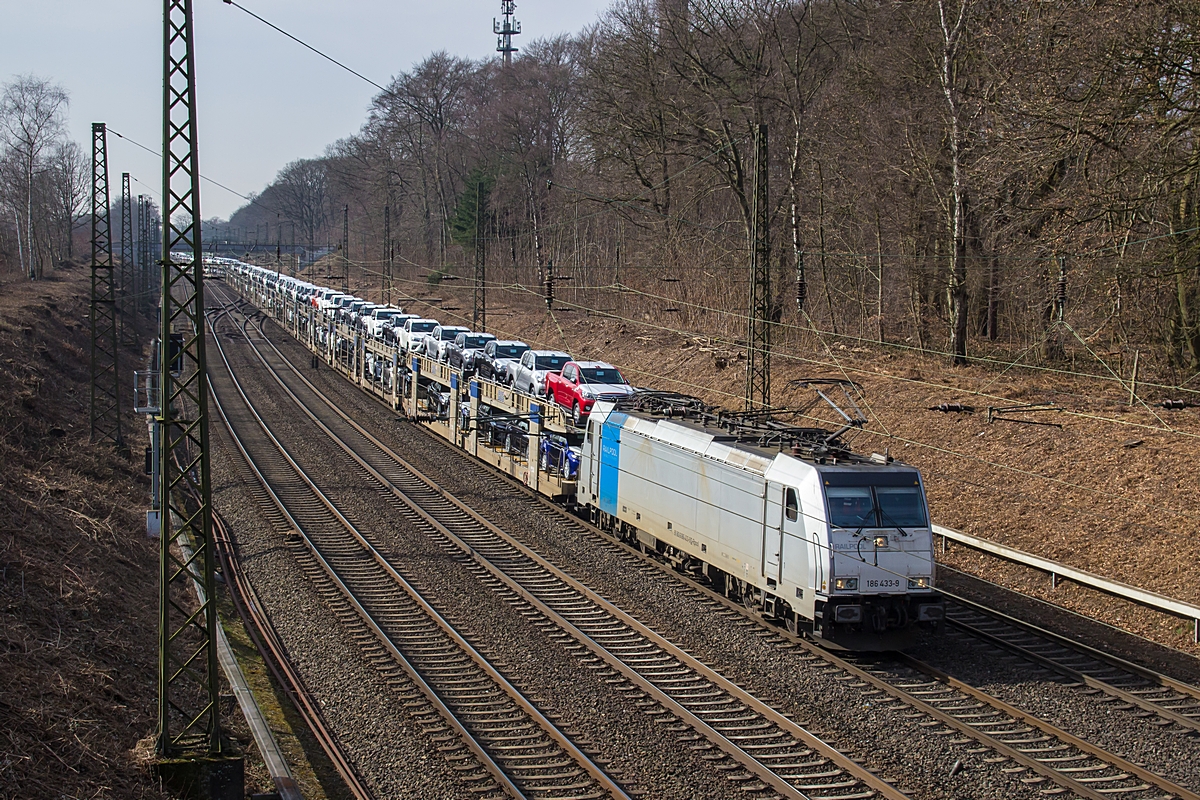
(1187, 338)
(993, 298)
(956, 289)
(821, 240)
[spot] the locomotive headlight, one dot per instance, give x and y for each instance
(881, 541)
(918, 583)
(845, 584)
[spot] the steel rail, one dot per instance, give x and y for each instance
(1061, 777)
(754, 764)
(1134, 697)
(1092, 750)
(478, 749)
(908, 699)
(269, 646)
(431, 697)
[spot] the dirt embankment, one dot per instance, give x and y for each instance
(1114, 490)
(78, 577)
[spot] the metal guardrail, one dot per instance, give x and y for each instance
(1057, 570)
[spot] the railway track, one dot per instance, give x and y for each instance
(270, 646)
(500, 743)
(769, 752)
(1143, 692)
(1047, 757)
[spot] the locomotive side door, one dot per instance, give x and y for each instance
(773, 514)
(591, 464)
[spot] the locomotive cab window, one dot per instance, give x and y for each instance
(876, 506)
(851, 507)
(791, 504)
(901, 506)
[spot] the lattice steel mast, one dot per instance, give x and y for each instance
(758, 337)
(188, 714)
(345, 248)
(479, 310)
(389, 254)
(128, 291)
(105, 395)
(143, 270)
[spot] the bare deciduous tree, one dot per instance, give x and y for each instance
(301, 193)
(31, 120)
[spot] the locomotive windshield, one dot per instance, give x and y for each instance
(900, 507)
(851, 507)
(875, 506)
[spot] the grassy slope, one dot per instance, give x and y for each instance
(79, 590)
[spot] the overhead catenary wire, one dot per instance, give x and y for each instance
(393, 94)
(1087, 511)
(812, 328)
(739, 315)
(158, 155)
(641, 209)
(893, 345)
(823, 335)
(305, 44)
(1019, 471)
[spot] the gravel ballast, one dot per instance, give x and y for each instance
(745, 653)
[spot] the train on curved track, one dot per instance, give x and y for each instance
(785, 518)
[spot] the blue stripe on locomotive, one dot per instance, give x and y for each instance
(610, 461)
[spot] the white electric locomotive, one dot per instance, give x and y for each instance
(782, 518)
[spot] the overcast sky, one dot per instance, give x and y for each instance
(264, 100)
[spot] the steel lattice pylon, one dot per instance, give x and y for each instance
(388, 255)
(143, 295)
(128, 288)
(188, 714)
(105, 397)
(479, 308)
(345, 248)
(758, 338)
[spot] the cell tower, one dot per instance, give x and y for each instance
(506, 30)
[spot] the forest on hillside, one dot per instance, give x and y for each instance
(978, 178)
